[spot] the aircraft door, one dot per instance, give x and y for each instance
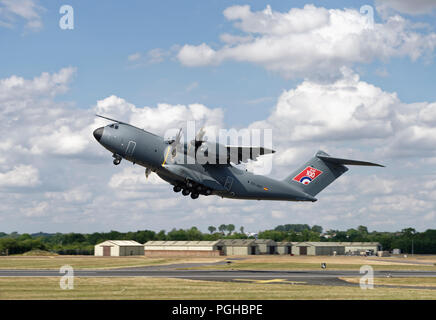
(130, 148)
(228, 183)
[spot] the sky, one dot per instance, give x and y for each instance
(355, 79)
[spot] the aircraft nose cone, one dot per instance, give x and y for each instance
(98, 133)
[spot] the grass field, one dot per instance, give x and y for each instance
(89, 262)
(246, 262)
(419, 282)
(161, 288)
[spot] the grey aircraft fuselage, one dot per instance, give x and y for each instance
(151, 151)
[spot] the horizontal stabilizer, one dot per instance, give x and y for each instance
(350, 162)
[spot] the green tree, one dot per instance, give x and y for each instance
(177, 235)
(222, 228)
(161, 235)
(408, 232)
(362, 230)
(273, 235)
(340, 236)
(194, 234)
(241, 229)
(211, 229)
(142, 236)
(230, 228)
(317, 229)
(293, 227)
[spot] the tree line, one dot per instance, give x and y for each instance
(408, 240)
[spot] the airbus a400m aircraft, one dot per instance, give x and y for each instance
(167, 158)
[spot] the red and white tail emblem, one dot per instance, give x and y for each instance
(307, 175)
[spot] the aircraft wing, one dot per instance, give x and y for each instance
(196, 176)
(243, 154)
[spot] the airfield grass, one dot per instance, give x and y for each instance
(265, 262)
(180, 289)
(89, 262)
(419, 282)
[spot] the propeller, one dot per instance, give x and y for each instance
(200, 134)
(175, 143)
(147, 172)
(198, 139)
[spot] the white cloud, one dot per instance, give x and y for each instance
(77, 184)
(28, 10)
(46, 85)
(79, 188)
(406, 6)
(38, 210)
(428, 114)
(194, 56)
(20, 176)
(350, 109)
(310, 42)
(277, 214)
(134, 56)
(133, 178)
(156, 55)
(191, 86)
(77, 195)
(152, 56)
(345, 109)
(62, 141)
(162, 118)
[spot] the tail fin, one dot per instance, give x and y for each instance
(321, 170)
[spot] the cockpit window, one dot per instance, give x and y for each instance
(114, 125)
(111, 126)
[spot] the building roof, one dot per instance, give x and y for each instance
(182, 243)
(120, 243)
(284, 243)
(264, 241)
(237, 242)
(359, 244)
(318, 244)
(335, 244)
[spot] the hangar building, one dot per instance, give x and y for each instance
(284, 247)
(358, 247)
(266, 246)
(236, 247)
(317, 248)
(232, 247)
(183, 248)
(330, 248)
(117, 248)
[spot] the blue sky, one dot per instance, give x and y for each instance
(106, 33)
(107, 62)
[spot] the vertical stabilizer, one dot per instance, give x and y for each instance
(321, 170)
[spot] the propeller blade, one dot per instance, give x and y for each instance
(200, 134)
(198, 139)
(175, 143)
(147, 172)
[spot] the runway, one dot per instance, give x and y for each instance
(303, 277)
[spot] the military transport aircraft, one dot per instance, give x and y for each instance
(168, 159)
